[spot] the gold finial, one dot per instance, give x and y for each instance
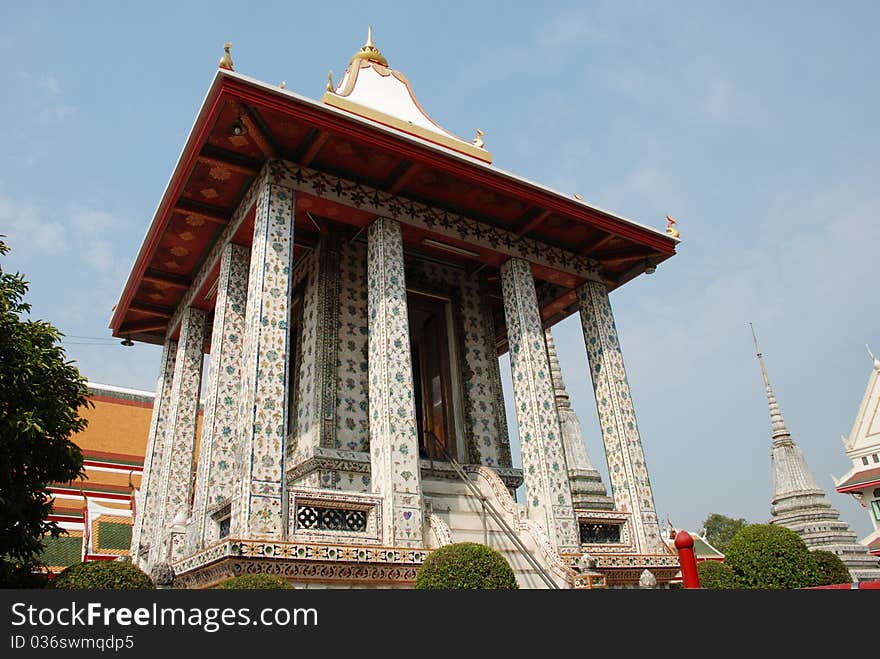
(578, 197)
(369, 52)
(330, 86)
(671, 230)
(478, 140)
(283, 84)
(226, 60)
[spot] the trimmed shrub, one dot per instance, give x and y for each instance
(255, 582)
(102, 575)
(465, 565)
(715, 575)
(832, 570)
(771, 557)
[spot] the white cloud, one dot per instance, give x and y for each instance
(29, 229)
(724, 102)
(50, 85)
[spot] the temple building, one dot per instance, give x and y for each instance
(800, 504)
(95, 511)
(863, 448)
(354, 271)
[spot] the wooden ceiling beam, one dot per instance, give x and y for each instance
(530, 223)
(596, 242)
(216, 157)
(143, 326)
(208, 213)
(623, 254)
(312, 146)
(151, 309)
(255, 131)
(402, 175)
(167, 278)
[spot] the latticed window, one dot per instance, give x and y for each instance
(599, 533)
(320, 518)
(224, 527)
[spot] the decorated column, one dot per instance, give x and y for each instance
(394, 446)
(623, 445)
(144, 526)
(179, 449)
(546, 478)
(259, 509)
(215, 483)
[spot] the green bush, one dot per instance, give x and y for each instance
(102, 575)
(771, 557)
(255, 582)
(715, 575)
(832, 570)
(465, 565)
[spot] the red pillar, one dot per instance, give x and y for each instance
(684, 543)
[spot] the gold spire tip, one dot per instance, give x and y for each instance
(226, 60)
(369, 52)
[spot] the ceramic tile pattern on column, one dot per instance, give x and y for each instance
(144, 527)
(258, 513)
(352, 380)
(627, 470)
(394, 449)
(215, 481)
(182, 419)
(546, 478)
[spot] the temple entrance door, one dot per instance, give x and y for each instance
(430, 345)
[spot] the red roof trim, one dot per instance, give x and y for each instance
(226, 85)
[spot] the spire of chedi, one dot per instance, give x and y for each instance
(799, 503)
(587, 489)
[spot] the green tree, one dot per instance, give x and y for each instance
(40, 395)
(720, 530)
(771, 557)
(715, 575)
(831, 568)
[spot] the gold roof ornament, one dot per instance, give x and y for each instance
(369, 52)
(478, 140)
(578, 197)
(670, 229)
(283, 84)
(226, 60)
(330, 86)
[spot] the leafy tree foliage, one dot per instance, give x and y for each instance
(466, 565)
(102, 575)
(255, 582)
(715, 575)
(40, 394)
(771, 557)
(832, 570)
(720, 530)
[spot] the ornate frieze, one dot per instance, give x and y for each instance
(394, 446)
(215, 482)
(179, 450)
(437, 221)
(259, 511)
(546, 477)
(144, 524)
(627, 470)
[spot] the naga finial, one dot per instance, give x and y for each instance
(226, 60)
(330, 85)
(478, 140)
(670, 229)
(283, 84)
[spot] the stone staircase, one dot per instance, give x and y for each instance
(457, 515)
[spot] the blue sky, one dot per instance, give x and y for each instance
(754, 124)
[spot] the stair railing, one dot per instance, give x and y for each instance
(493, 512)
